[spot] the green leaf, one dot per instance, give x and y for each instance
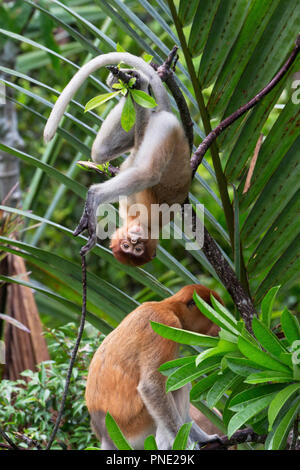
(278, 441)
(254, 392)
(223, 311)
(186, 11)
(279, 401)
(220, 350)
(150, 443)
(225, 382)
(267, 305)
(100, 99)
(171, 365)
(120, 48)
(143, 99)
(213, 315)
(116, 434)
(148, 58)
(267, 339)
(128, 114)
(241, 366)
(184, 337)
(260, 357)
(181, 439)
(268, 376)
(202, 22)
(189, 372)
(212, 415)
(290, 326)
(240, 418)
(203, 384)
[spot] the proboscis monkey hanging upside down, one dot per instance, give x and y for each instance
(157, 170)
(124, 379)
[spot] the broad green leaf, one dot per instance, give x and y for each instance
(225, 382)
(186, 11)
(244, 405)
(202, 22)
(116, 434)
(143, 99)
(203, 384)
(285, 270)
(77, 188)
(223, 311)
(268, 376)
(184, 337)
(267, 339)
(128, 115)
(240, 418)
(260, 357)
(290, 326)
(258, 15)
(181, 439)
(267, 305)
(100, 99)
(212, 415)
(281, 433)
(213, 315)
(150, 443)
(253, 393)
(241, 366)
(279, 400)
(278, 237)
(264, 63)
(220, 350)
(189, 372)
(228, 20)
(167, 366)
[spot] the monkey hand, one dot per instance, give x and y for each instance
(88, 222)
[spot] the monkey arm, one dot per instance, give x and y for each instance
(112, 58)
(112, 140)
(130, 181)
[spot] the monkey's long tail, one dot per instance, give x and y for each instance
(67, 94)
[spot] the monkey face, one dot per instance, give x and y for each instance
(191, 317)
(129, 247)
(133, 246)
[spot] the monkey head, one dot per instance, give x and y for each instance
(187, 311)
(130, 245)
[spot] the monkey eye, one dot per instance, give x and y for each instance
(138, 250)
(191, 303)
(125, 246)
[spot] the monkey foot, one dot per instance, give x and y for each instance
(87, 222)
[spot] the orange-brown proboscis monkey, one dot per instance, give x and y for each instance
(124, 378)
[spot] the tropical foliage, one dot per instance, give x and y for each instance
(228, 51)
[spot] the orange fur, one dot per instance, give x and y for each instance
(132, 349)
(172, 188)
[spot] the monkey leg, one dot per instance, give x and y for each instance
(182, 400)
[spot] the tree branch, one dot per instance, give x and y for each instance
(73, 356)
(239, 437)
(207, 142)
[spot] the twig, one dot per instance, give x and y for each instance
(166, 75)
(73, 356)
(253, 163)
(8, 440)
(206, 143)
(125, 77)
(239, 437)
(29, 441)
